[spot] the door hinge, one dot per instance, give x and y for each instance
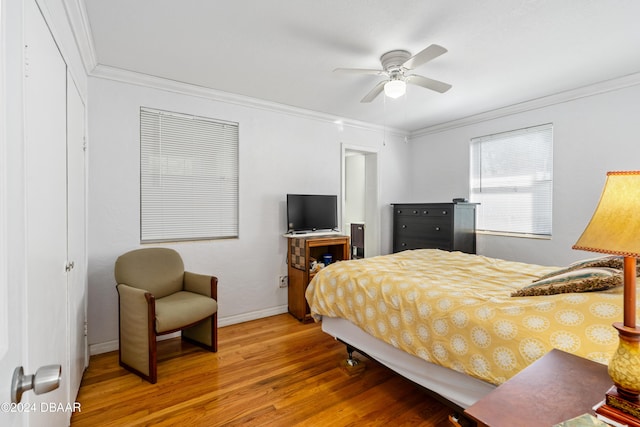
(84, 143)
(26, 61)
(69, 266)
(86, 328)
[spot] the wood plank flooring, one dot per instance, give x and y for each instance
(268, 372)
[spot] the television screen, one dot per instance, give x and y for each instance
(311, 212)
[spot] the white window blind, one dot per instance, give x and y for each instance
(512, 179)
(188, 177)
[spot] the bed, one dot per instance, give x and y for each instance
(448, 320)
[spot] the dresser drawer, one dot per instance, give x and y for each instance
(436, 211)
(434, 228)
(421, 211)
(407, 211)
(410, 242)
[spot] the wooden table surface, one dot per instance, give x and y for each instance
(557, 387)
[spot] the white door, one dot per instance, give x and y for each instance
(45, 313)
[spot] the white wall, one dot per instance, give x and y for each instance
(280, 153)
(592, 135)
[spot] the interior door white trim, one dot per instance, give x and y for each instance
(372, 190)
(4, 312)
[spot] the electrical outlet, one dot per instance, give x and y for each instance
(283, 281)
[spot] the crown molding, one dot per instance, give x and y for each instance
(154, 82)
(81, 29)
(534, 104)
(79, 22)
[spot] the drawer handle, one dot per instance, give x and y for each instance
(415, 212)
(399, 211)
(444, 212)
(437, 228)
(403, 244)
(404, 226)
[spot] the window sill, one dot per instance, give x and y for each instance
(518, 235)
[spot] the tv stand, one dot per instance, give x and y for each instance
(297, 234)
(301, 248)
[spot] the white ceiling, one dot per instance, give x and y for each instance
(501, 52)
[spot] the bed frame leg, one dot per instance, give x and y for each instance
(351, 361)
(352, 365)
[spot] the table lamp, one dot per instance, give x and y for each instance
(615, 229)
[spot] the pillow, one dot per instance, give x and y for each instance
(613, 261)
(579, 280)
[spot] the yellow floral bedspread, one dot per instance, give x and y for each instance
(455, 310)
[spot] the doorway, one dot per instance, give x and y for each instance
(360, 196)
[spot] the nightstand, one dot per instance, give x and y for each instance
(557, 387)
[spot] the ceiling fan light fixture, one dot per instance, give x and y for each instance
(395, 88)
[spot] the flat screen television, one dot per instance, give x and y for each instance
(311, 212)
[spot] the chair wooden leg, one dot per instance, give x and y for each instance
(153, 345)
(214, 332)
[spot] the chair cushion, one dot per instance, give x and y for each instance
(181, 309)
(159, 271)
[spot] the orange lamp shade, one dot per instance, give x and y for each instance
(615, 225)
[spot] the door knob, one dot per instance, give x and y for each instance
(46, 379)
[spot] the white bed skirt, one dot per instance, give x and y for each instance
(454, 386)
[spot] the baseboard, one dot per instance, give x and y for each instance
(245, 317)
(103, 347)
(108, 346)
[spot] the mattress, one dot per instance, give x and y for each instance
(455, 310)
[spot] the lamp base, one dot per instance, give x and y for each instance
(622, 403)
(624, 366)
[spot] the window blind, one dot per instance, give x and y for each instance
(188, 177)
(512, 179)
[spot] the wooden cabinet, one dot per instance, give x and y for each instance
(301, 251)
(447, 226)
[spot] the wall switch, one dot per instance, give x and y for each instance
(283, 281)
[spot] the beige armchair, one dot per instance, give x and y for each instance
(156, 297)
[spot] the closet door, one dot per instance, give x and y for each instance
(45, 311)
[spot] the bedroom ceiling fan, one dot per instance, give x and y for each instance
(395, 65)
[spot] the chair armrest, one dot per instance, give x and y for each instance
(201, 284)
(136, 302)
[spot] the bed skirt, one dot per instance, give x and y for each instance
(456, 387)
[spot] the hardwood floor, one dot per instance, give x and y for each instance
(269, 372)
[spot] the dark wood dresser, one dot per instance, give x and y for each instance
(447, 226)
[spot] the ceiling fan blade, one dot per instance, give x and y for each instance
(360, 71)
(424, 56)
(374, 92)
(428, 83)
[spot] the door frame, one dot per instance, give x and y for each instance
(372, 195)
(12, 194)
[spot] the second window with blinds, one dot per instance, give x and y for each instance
(512, 180)
(188, 177)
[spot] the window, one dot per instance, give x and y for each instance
(188, 177)
(511, 178)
